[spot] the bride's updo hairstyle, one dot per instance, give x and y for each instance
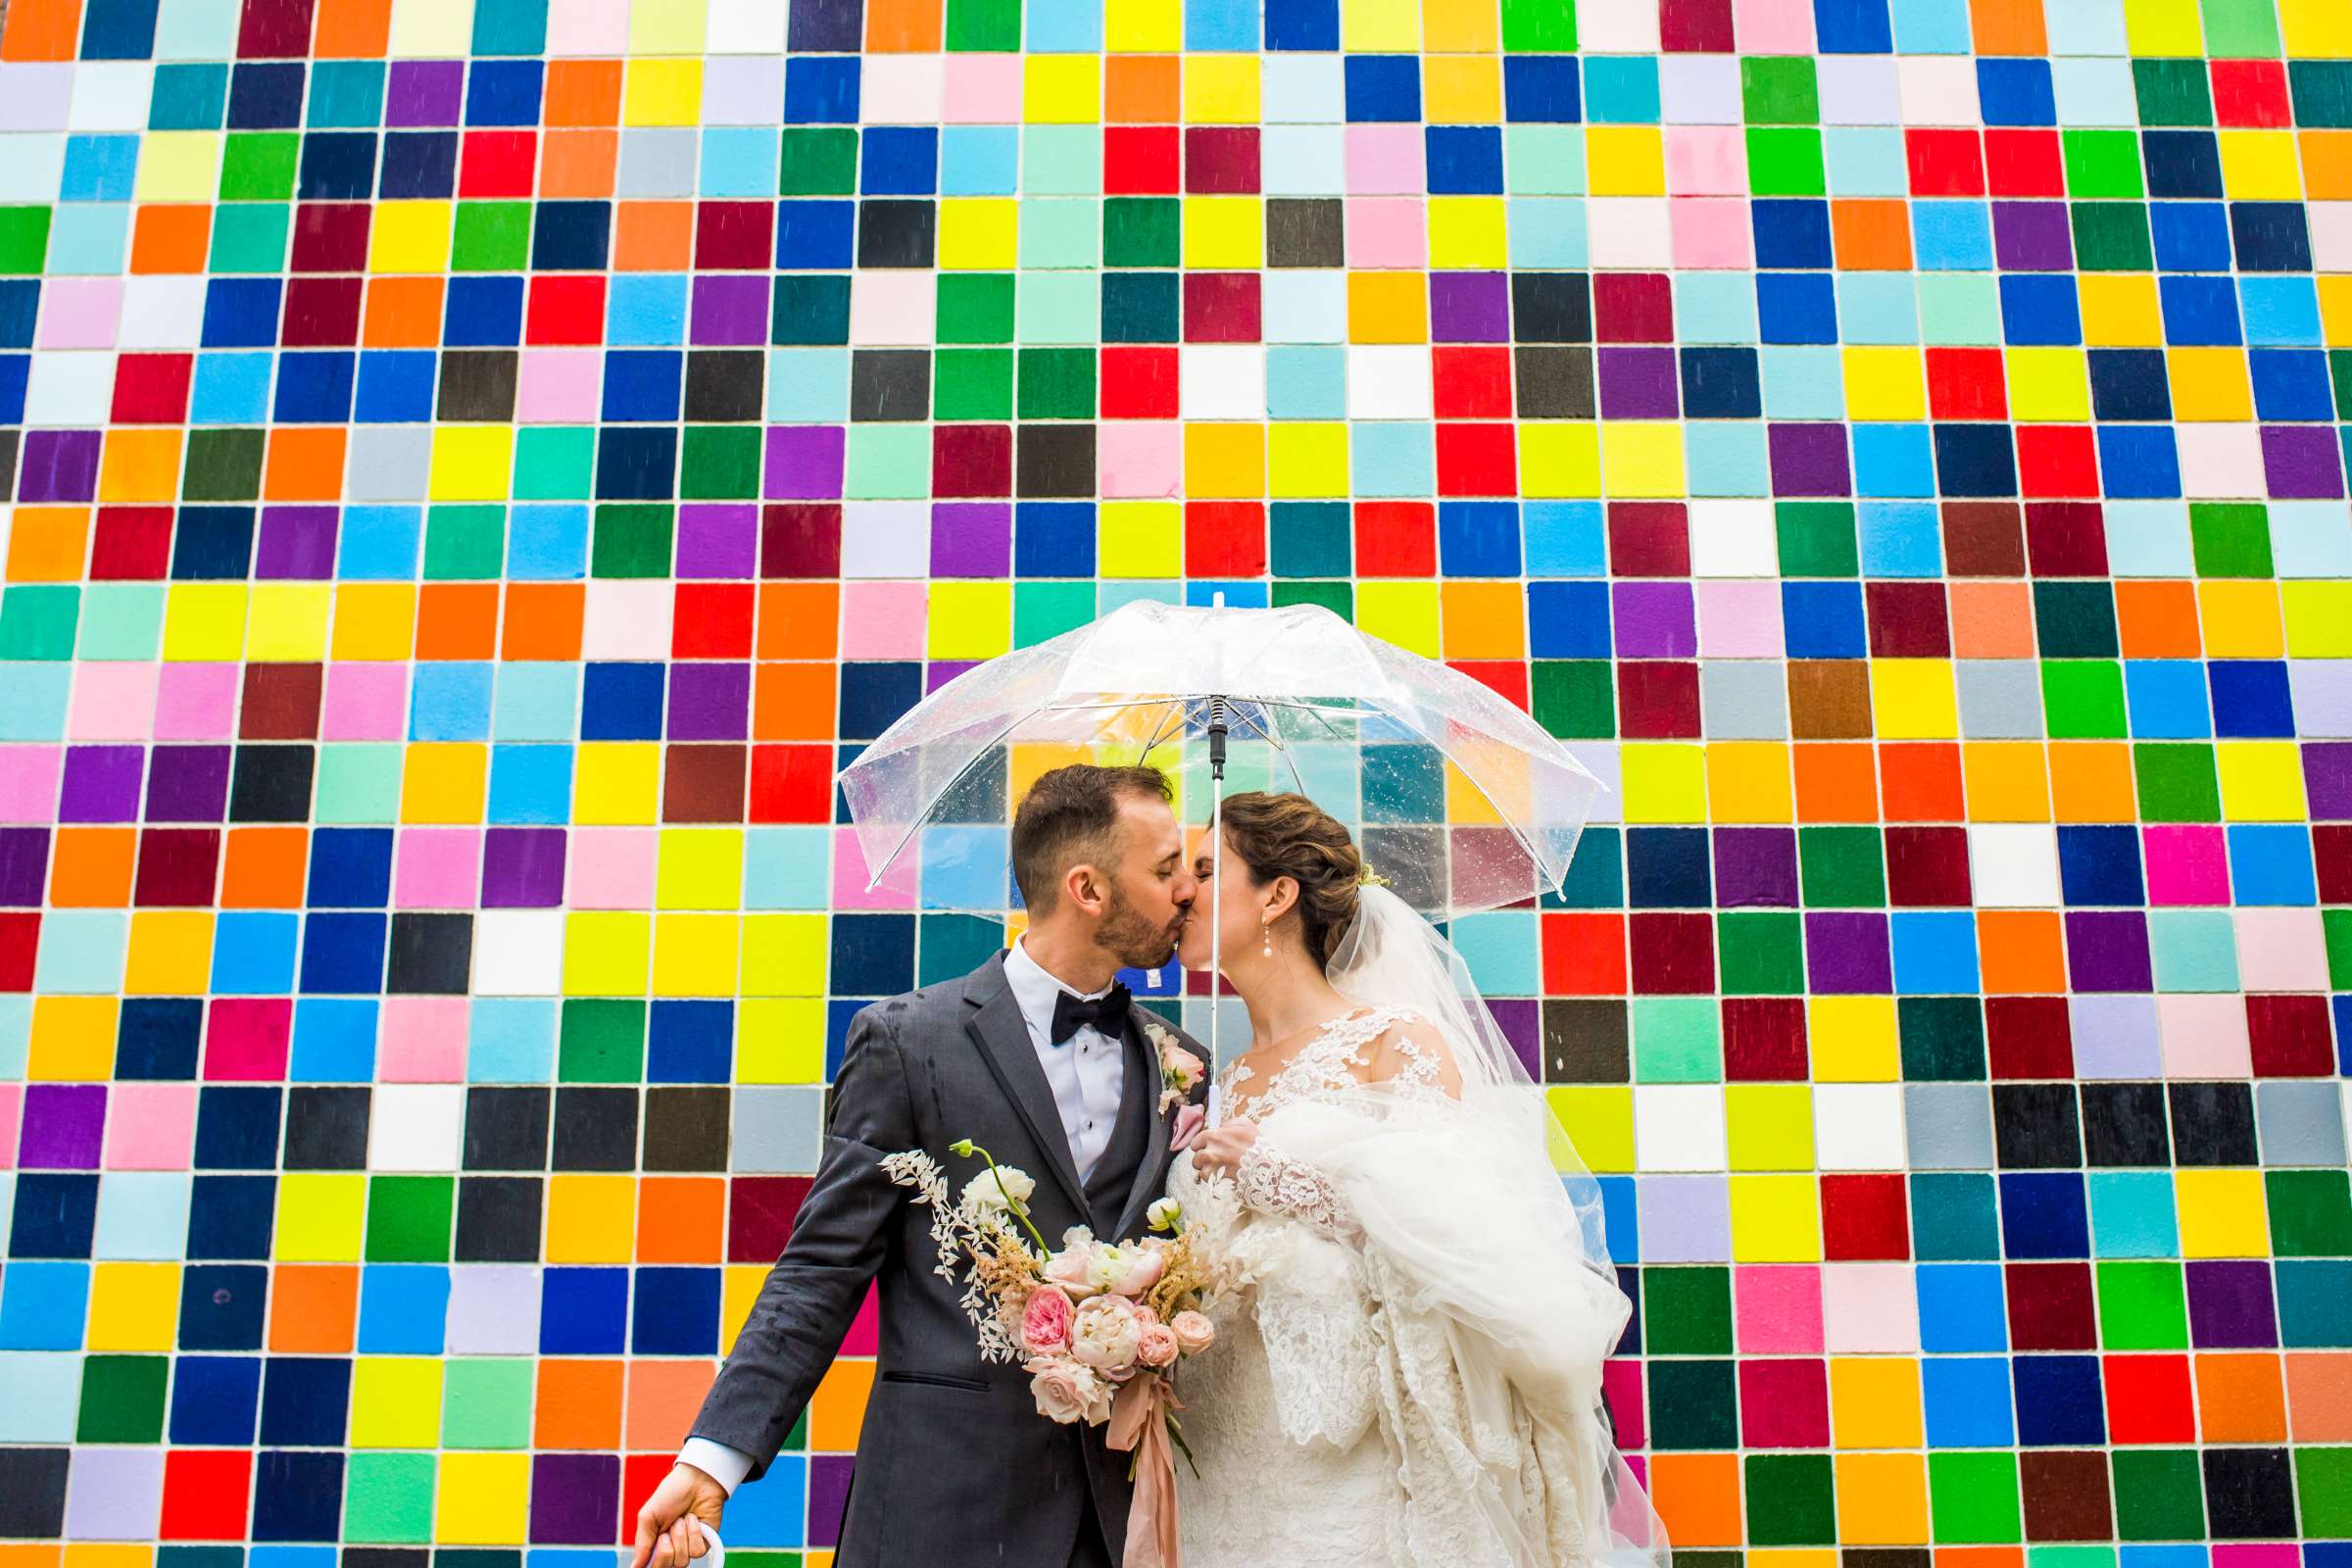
(1290, 835)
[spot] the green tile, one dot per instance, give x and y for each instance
(1046, 609)
(720, 463)
(1337, 597)
(125, 620)
(1762, 953)
(1311, 539)
(2113, 237)
(2339, 374)
(1791, 1501)
(1692, 1405)
(258, 166)
(222, 466)
(811, 308)
(464, 544)
(2177, 782)
(250, 237)
(1779, 91)
(23, 238)
(2240, 29)
(948, 947)
(491, 237)
(2322, 93)
(2159, 1494)
(408, 1219)
(1842, 867)
(888, 462)
(2311, 1212)
(1574, 699)
(1142, 231)
(1545, 25)
(1676, 1040)
(554, 463)
(1817, 538)
(2083, 699)
(2075, 620)
(1942, 1039)
(359, 784)
(632, 540)
(38, 621)
(975, 307)
(601, 1041)
(2232, 538)
(486, 1403)
(2171, 92)
(2101, 163)
(2143, 1306)
(1685, 1311)
(2324, 1486)
(1973, 1498)
(1057, 383)
(972, 384)
(994, 24)
(817, 160)
(388, 1499)
(1785, 161)
(123, 1398)
(2338, 926)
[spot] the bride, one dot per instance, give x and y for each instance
(1413, 1376)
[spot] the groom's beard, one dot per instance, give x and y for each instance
(1133, 938)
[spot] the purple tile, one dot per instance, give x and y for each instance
(522, 867)
(1638, 384)
(710, 702)
(730, 311)
(24, 866)
(64, 1127)
(940, 671)
(2115, 1037)
(575, 1498)
(971, 539)
(2032, 238)
(101, 784)
(187, 784)
(424, 92)
(1521, 1020)
(59, 466)
(1654, 619)
(297, 543)
(719, 540)
(2327, 779)
(2107, 949)
(2229, 1304)
(1810, 460)
(2302, 462)
(805, 461)
(828, 1494)
(1755, 867)
(1846, 952)
(1469, 306)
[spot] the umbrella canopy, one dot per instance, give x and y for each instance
(1457, 796)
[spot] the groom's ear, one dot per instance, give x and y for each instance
(1085, 887)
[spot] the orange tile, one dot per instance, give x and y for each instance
(170, 239)
(543, 620)
(41, 29)
(313, 1307)
(582, 93)
(23, 1554)
(653, 237)
(91, 868)
(262, 867)
(2091, 782)
(2008, 781)
(680, 1220)
(793, 703)
(579, 163)
(457, 621)
(2156, 619)
(404, 313)
(1698, 1497)
(2327, 163)
(902, 26)
(1918, 781)
(1992, 619)
(664, 1398)
(2021, 951)
(1871, 235)
(49, 543)
(579, 1405)
(306, 463)
(1835, 782)
(353, 30)
(1143, 89)
(2241, 1399)
(838, 1409)
(141, 465)
(2009, 27)
(2318, 1390)
(798, 620)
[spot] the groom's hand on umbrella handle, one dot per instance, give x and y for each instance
(669, 1527)
(1221, 1148)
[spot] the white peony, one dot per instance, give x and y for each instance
(996, 1191)
(1166, 1214)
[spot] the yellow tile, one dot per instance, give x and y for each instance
(1770, 1126)
(1913, 699)
(204, 621)
(2209, 384)
(663, 92)
(396, 1401)
(1404, 613)
(606, 952)
(590, 1219)
(1221, 90)
(2163, 27)
(471, 462)
(694, 954)
(700, 869)
(1599, 1118)
(2336, 311)
(970, 619)
(409, 236)
(1224, 462)
(170, 952)
(1380, 26)
(1142, 26)
(1387, 308)
(2222, 1214)
(784, 955)
(2319, 618)
(1748, 781)
(666, 27)
(1061, 89)
(1881, 1498)
(1140, 539)
(1624, 161)
(1462, 89)
(483, 1499)
(2260, 165)
(617, 783)
(1224, 231)
(178, 166)
(1558, 460)
(319, 1218)
(1305, 460)
(375, 621)
(287, 621)
(1642, 457)
(2316, 28)
(1467, 232)
(978, 231)
(2120, 309)
(2261, 781)
(2240, 619)
(1853, 1039)
(1775, 1219)
(1459, 26)
(444, 781)
(1664, 781)
(133, 1306)
(1874, 1401)
(741, 1286)
(780, 1040)
(2048, 383)
(72, 1040)
(1885, 382)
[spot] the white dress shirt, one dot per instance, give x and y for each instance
(1087, 1073)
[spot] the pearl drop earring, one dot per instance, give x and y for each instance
(1267, 927)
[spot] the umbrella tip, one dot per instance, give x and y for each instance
(1216, 601)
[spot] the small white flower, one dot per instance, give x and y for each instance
(1166, 1214)
(996, 1191)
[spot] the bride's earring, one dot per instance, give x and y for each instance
(1267, 927)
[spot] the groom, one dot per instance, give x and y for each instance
(1036, 1057)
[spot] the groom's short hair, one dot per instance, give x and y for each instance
(1070, 816)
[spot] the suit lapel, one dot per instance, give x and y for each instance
(1143, 1058)
(994, 1019)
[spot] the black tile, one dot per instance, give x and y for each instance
(432, 954)
(1551, 308)
(1054, 460)
(1585, 1042)
(595, 1129)
(506, 1129)
(889, 385)
(498, 1220)
(2035, 1128)
(1305, 232)
(896, 233)
(327, 1127)
(2249, 1494)
(686, 1129)
(32, 1493)
(478, 384)
(1554, 383)
(2212, 1124)
(725, 385)
(2123, 1124)
(271, 784)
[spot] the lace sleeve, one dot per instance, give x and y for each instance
(1273, 1183)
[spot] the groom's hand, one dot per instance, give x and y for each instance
(669, 1527)
(1221, 1148)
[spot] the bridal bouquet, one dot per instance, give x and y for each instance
(1098, 1326)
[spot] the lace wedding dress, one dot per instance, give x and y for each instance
(1356, 1412)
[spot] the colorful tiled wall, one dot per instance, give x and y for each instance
(473, 468)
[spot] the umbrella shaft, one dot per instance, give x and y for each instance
(1217, 738)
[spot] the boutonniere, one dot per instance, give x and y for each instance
(1180, 1071)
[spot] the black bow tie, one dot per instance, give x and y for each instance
(1106, 1013)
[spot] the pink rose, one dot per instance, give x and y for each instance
(1105, 1335)
(1181, 1067)
(1189, 1119)
(1155, 1346)
(1046, 1321)
(1068, 1392)
(1073, 1269)
(1193, 1333)
(1133, 1270)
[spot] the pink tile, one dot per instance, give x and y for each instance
(2188, 863)
(1739, 618)
(613, 867)
(1779, 1308)
(1773, 26)
(2204, 1037)
(245, 1039)
(1385, 161)
(588, 28)
(112, 702)
(1867, 1307)
(365, 701)
(1385, 231)
(28, 783)
(1142, 458)
(423, 1040)
(883, 619)
(1706, 161)
(2281, 949)
(151, 1127)
(983, 89)
(12, 1113)
(196, 702)
(439, 869)
(558, 386)
(80, 313)
(1621, 1386)
(1712, 231)
(898, 890)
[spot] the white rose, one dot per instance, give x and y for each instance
(996, 1191)
(1164, 1215)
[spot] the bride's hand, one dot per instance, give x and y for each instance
(1222, 1147)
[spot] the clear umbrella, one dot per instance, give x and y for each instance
(1458, 799)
